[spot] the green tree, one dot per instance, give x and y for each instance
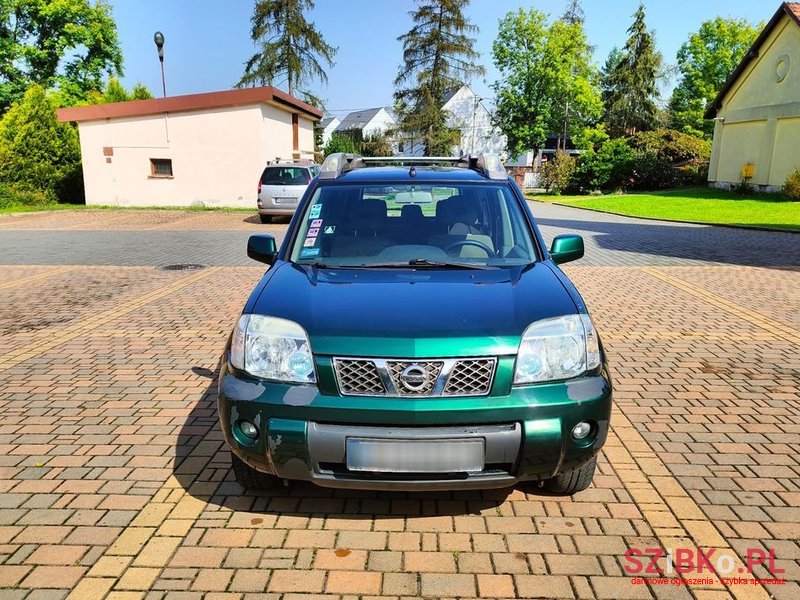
(291, 49)
(116, 92)
(545, 74)
(37, 152)
(438, 55)
(341, 142)
(631, 88)
(65, 45)
(573, 13)
(704, 62)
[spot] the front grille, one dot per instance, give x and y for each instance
(431, 369)
(470, 378)
(414, 378)
(359, 377)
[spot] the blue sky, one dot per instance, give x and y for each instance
(207, 41)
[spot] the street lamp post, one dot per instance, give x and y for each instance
(158, 38)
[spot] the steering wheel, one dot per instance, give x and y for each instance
(489, 251)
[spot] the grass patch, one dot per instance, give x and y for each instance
(698, 205)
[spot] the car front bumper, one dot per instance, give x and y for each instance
(525, 430)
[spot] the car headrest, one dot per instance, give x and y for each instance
(411, 211)
(369, 214)
(458, 209)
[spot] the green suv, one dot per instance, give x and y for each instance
(413, 332)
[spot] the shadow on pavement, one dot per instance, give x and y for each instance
(696, 242)
(202, 467)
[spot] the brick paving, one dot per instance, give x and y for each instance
(115, 482)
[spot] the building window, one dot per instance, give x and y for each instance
(161, 167)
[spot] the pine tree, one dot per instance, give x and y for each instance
(438, 56)
(36, 151)
(631, 88)
(573, 13)
(291, 49)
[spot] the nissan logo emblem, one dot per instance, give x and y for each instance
(414, 378)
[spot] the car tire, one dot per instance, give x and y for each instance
(573, 481)
(250, 478)
(265, 219)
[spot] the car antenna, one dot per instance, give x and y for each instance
(412, 172)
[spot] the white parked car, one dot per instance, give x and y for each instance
(281, 186)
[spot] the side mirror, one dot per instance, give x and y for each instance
(262, 248)
(566, 248)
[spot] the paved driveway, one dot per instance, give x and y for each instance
(114, 482)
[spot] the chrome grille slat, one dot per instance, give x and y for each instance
(470, 377)
(358, 377)
(443, 377)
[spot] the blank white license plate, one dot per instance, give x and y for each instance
(285, 200)
(415, 456)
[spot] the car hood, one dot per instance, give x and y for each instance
(413, 312)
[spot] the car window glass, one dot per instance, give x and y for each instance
(280, 175)
(369, 224)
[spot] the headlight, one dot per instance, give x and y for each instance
(558, 348)
(272, 348)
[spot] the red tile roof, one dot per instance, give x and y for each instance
(171, 104)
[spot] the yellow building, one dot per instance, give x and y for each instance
(757, 111)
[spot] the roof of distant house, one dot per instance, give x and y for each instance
(787, 8)
(172, 104)
(327, 121)
(359, 119)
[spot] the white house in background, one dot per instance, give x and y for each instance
(183, 150)
(468, 114)
(371, 121)
(328, 125)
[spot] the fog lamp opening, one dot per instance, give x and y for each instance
(248, 429)
(582, 430)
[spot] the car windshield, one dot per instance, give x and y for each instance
(454, 225)
(286, 176)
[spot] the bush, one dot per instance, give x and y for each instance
(671, 145)
(652, 172)
(791, 186)
(340, 142)
(610, 167)
(12, 196)
(667, 158)
(557, 173)
(37, 153)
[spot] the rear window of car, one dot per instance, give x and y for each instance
(279, 175)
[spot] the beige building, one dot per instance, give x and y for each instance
(757, 112)
(183, 150)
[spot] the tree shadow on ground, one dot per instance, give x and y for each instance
(726, 245)
(202, 466)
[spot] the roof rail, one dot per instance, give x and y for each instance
(339, 163)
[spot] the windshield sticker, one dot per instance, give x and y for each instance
(316, 223)
(309, 242)
(330, 229)
(314, 212)
(308, 252)
(313, 232)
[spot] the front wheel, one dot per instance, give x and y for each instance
(251, 479)
(265, 219)
(572, 481)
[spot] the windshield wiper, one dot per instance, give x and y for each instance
(424, 262)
